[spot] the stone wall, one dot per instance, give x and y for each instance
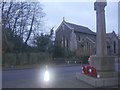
(64, 34)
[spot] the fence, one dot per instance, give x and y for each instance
(9, 59)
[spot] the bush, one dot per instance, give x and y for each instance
(9, 59)
(59, 60)
(22, 58)
(84, 59)
(25, 58)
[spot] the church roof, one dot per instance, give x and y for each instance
(83, 29)
(112, 34)
(79, 28)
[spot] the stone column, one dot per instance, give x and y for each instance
(101, 29)
(105, 65)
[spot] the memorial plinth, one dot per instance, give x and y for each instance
(97, 82)
(104, 64)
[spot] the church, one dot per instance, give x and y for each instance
(76, 37)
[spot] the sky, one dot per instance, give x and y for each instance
(80, 13)
(119, 19)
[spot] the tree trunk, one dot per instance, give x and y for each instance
(30, 31)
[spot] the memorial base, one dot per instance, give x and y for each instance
(98, 82)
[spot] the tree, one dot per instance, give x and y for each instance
(42, 42)
(36, 16)
(58, 51)
(12, 42)
(118, 47)
(51, 32)
(22, 19)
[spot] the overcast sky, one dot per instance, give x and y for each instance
(80, 13)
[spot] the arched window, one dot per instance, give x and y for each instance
(78, 38)
(67, 42)
(63, 26)
(87, 45)
(114, 47)
(62, 42)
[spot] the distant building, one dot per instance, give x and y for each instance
(76, 37)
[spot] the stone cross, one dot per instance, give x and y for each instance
(101, 27)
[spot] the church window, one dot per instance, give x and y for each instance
(108, 46)
(79, 38)
(114, 47)
(67, 42)
(82, 46)
(62, 42)
(63, 26)
(87, 45)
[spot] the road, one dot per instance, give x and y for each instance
(60, 77)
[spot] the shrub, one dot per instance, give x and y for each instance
(84, 59)
(25, 58)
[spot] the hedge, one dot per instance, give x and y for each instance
(9, 59)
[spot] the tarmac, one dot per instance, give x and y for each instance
(37, 66)
(66, 81)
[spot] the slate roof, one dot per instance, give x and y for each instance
(79, 28)
(83, 29)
